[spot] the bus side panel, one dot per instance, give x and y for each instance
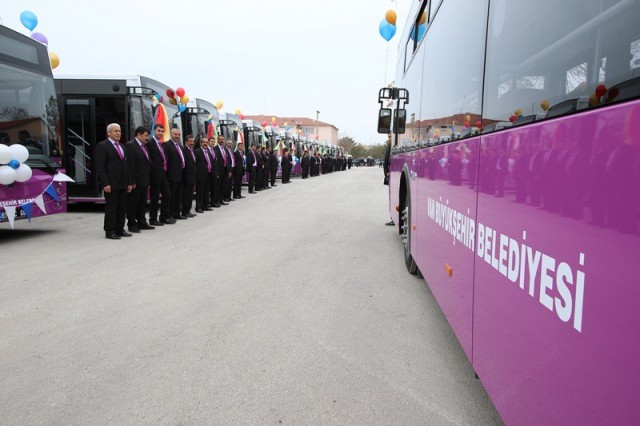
(445, 227)
(556, 320)
(396, 164)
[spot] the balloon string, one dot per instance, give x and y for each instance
(386, 64)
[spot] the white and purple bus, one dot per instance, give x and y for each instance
(515, 187)
(29, 131)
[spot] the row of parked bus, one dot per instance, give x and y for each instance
(61, 120)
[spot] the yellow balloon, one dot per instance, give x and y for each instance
(54, 59)
(544, 105)
(184, 99)
(273, 119)
(219, 104)
(286, 124)
(391, 16)
(518, 112)
(238, 112)
(423, 18)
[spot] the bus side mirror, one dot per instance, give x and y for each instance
(400, 121)
(384, 120)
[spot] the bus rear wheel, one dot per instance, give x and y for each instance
(405, 235)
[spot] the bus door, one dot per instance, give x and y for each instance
(79, 146)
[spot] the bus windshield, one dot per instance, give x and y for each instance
(29, 114)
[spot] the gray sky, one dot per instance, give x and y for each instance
(276, 57)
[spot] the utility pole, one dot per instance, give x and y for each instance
(317, 130)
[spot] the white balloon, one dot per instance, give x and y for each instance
(7, 175)
(23, 173)
(5, 154)
(19, 152)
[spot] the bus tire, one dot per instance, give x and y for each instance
(405, 234)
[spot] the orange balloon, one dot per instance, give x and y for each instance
(391, 16)
(219, 104)
(423, 18)
(54, 59)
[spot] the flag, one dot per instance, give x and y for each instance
(161, 117)
(210, 130)
(240, 138)
(11, 214)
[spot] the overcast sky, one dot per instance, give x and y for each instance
(275, 57)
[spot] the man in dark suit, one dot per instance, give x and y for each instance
(139, 169)
(216, 172)
(266, 170)
(273, 166)
(259, 169)
(231, 159)
(305, 163)
(175, 168)
(188, 176)
(158, 183)
(286, 166)
(225, 165)
(204, 167)
(113, 178)
(312, 165)
(238, 171)
(252, 165)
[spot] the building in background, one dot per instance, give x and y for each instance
(309, 127)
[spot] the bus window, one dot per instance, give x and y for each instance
(534, 62)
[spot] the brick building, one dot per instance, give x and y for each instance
(309, 127)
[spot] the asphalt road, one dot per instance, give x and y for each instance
(291, 306)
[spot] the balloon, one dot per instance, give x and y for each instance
(29, 19)
(594, 100)
(391, 16)
(155, 101)
(468, 117)
(219, 104)
(180, 92)
(421, 30)
(466, 124)
(517, 112)
(237, 111)
(479, 124)
(173, 101)
(182, 108)
(184, 100)
(601, 90)
(41, 38)
(513, 118)
(54, 59)
(263, 124)
(170, 93)
(273, 119)
(241, 116)
(387, 31)
(7, 175)
(23, 173)
(14, 164)
(423, 18)
(19, 152)
(287, 128)
(5, 154)
(544, 105)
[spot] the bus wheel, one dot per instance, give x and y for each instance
(405, 224)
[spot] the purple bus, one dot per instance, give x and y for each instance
(30, 185)
(514, 186)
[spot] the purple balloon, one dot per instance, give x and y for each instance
(41, 38)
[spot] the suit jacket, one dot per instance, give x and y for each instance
(220, 158)
(139, 167)
(157, 163)
(304, 162)
(251, 158)
(111, 170)
(273, 163)
(174, 162)
(202, 170)
(265, 159)
(286, 162)
(217, 164)
(239, 162)
(189, 172)
(260, 160)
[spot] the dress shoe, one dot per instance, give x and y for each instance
(112, 237)
(146, 226)
(169, 221)
(134, 229)
(274, 185)
(124, 233)
(201, 211)
(216, 205)
(390, 223)
(208, 209)
(180, 217)
(252, 192)
(191, 214)
(155, 223)
(223, 203)
(258, 189)
(230, 199)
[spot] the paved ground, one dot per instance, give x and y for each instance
(291, 306)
